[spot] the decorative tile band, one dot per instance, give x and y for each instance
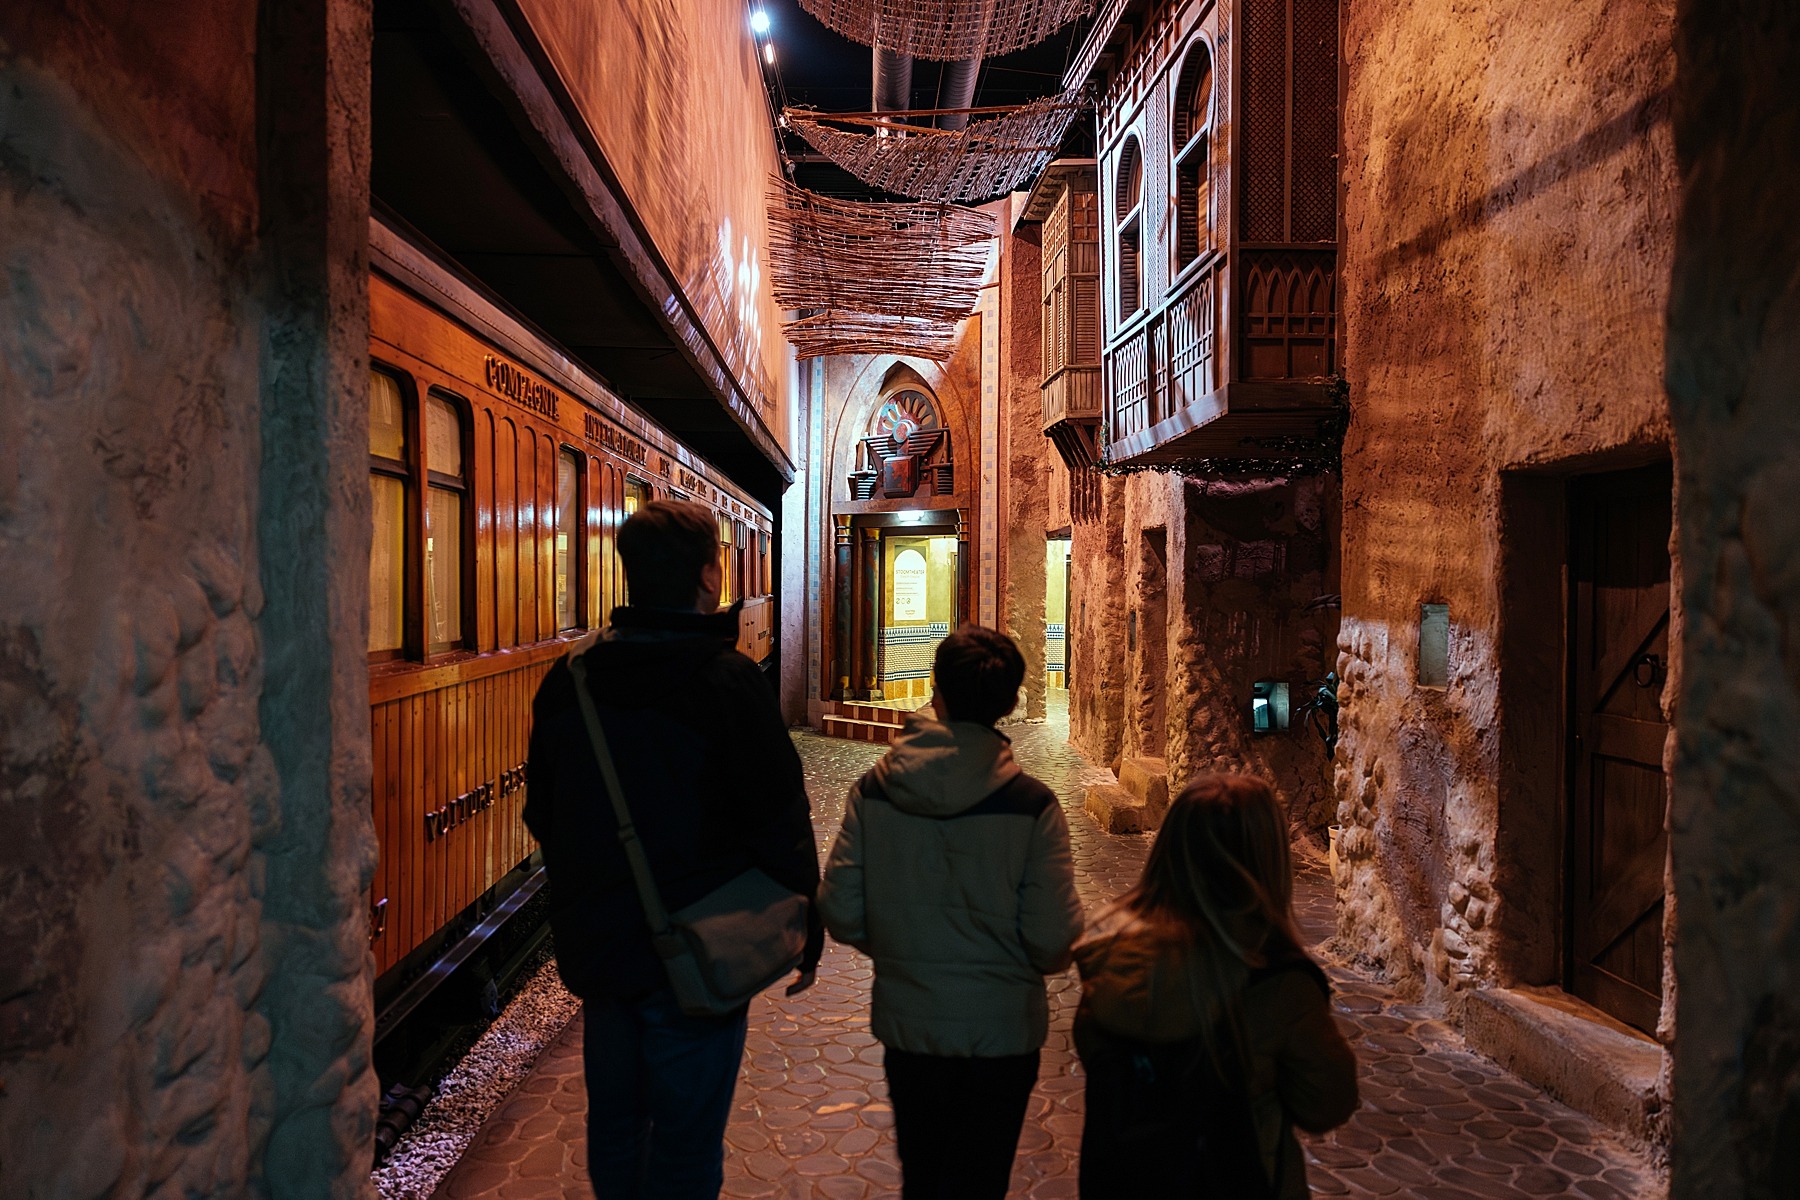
(907, 650)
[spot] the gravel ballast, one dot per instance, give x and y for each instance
(476, 1086)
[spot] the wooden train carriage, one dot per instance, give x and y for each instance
(499, 472)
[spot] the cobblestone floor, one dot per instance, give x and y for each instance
(811, 1117)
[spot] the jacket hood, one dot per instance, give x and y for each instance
(938, 768)
(1137, 979)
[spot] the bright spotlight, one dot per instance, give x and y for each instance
(759, 22)
(769, 53)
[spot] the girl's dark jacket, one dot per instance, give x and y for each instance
(1139, 991)
(713, 781)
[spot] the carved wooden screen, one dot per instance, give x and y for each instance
(1287, 159)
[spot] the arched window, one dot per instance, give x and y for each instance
(1192, 129)
(1128, 210)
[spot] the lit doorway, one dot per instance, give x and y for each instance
(1056, 612)
(918, 608)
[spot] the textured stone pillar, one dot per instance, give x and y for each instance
(1734, 825)
(843, 608)
(868, 639)
(964, 613)
(1024, 454)
(313, 526)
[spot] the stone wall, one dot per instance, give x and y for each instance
(182, 931)
(1508, 220)
(1240, 594)
(1733, 362)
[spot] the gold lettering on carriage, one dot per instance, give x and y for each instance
(473, 802)
(614, 439)
(513, 383)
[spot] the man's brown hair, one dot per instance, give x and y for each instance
(978, 672)
(665, 545)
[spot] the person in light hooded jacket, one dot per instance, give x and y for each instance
(952, 872)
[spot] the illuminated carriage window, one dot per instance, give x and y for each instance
(637, 494)
(741, 546)
(446, 486)
(1128, 209)
(388, 476)
(727, 562)
(568, 537)
(1192, 127)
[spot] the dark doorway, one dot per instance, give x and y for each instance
(1153, 640)
(1619, 527)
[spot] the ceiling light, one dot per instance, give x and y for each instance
(759, 22)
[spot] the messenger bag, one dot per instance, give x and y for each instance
(727, 946)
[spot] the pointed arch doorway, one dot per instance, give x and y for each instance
(900, 571)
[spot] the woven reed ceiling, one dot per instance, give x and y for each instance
(989, 158)
(874, 278)
(948, 30)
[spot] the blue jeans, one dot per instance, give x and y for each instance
(659, 1086)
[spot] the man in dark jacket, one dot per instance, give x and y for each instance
(715, 788)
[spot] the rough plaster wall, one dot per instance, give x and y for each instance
(1733, 362)
(1096, 626)
(179, 995)
(1256, 563)
(1024, 450)
(1246, 560)
(1503, 298)
(1059, 487)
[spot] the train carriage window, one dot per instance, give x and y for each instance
(568, 539)
(389, 473)
(444, 504)
(727, 568)
(637, 494)
(740, 549)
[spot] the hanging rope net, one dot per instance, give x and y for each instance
(876, 278)
(989, 158)
(948, 30)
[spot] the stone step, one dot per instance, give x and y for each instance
(876, 733)
(1115, 809)
(1572, 1050)
(874, 713)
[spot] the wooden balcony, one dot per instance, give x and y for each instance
(1167, 402)
(1065, 202)
(1072, 414)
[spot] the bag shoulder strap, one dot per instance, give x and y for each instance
(648, 894)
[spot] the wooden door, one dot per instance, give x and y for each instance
(1619, 587)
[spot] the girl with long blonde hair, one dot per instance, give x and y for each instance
(1205, 1029)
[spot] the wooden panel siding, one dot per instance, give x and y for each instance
(450, 730)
